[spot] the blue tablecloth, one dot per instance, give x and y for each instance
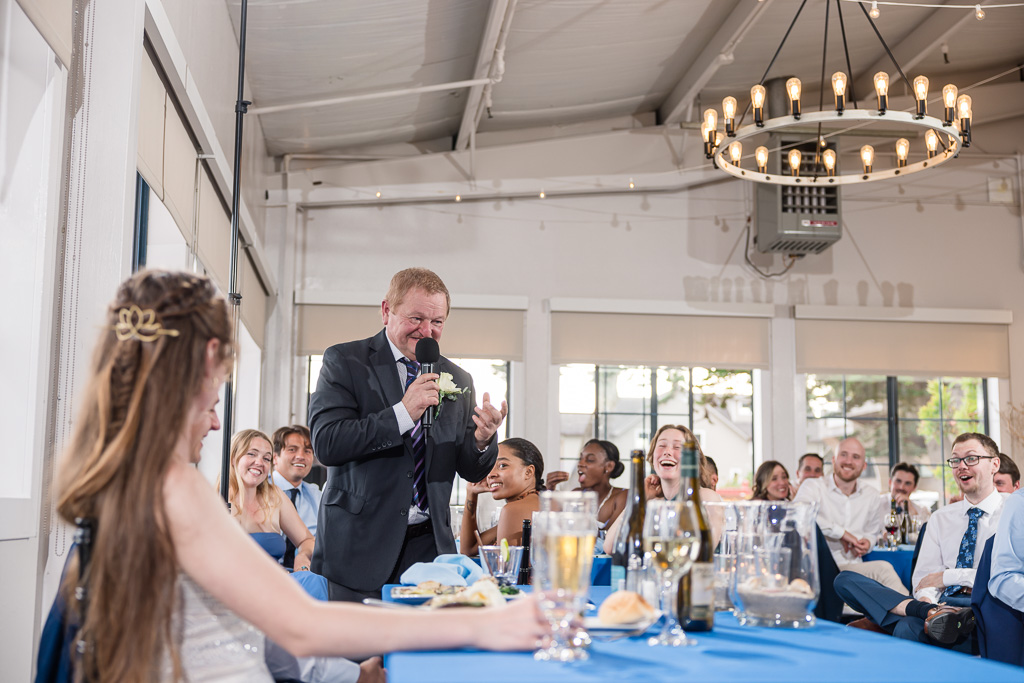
(900, 559)
(827, 652)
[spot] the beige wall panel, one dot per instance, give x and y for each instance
(254, 301)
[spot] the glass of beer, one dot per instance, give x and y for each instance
(672, 542)
(562, 551)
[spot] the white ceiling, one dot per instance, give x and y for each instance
(573, 66)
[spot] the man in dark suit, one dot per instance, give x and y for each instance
(385, 504)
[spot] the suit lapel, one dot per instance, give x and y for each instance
(385, 368)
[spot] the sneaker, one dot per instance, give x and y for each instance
(948, 625)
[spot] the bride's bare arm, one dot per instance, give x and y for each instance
(214, 551)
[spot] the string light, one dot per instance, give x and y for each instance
(873, 12)
(458, 197)
(378, 194)
(978, 12)
(542, 195)
(631, 184)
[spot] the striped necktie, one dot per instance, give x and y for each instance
(289, 547)
(965, 558)
(419, 445)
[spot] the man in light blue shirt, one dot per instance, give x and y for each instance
(293, 460)
(1007, 581)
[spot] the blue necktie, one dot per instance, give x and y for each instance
(419, 445)
(965, 558)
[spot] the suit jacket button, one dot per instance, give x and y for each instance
(409, 474)
(404, 512)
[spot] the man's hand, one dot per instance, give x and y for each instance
(555, 478)
(371, 671)
(652, 486)
(487, 419)
(862, 547)
(421, 394)
(933, 580)
(857, 546)
(901, 499)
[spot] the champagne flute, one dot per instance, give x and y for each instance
(562, 552)
(672, 541)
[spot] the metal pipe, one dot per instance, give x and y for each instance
(270, 109)
(234, 298)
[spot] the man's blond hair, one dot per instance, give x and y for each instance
(416, 278)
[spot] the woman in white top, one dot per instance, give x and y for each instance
(175, 589)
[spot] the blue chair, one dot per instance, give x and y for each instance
(1000, 628)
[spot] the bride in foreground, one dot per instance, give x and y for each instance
(174, 588)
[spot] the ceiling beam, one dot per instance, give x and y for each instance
(734, 25)
(498, 21)
(922, 41)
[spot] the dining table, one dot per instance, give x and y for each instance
(901, 558)
(825, 652)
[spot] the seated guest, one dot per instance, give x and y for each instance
(712, 473)
(516, 478)
(664, 456)
(1008, 477)
(902, 482)
(810, 466)
(173, 588)
(771, 482)
(598, 465)
(293, 460)
(850, 513)
(946, 566)
(260, 507)
(1007, 582)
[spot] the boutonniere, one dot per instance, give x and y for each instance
(447, 390)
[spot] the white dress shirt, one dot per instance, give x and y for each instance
(1007, 579)
(307, 501)
(860, 513)
(941, 544)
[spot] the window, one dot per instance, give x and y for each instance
(489, 375)
(897, 419)
(626, 405)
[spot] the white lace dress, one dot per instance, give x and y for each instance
(217, 644)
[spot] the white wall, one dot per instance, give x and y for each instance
(933, 240)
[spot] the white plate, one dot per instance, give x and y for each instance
(594, 624)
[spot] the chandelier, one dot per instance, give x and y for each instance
(817, 162)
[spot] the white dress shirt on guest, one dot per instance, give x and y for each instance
(307, 502)
(941, 544)
(860, 513)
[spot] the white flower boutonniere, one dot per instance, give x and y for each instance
(448, 391)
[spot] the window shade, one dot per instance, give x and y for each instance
(468, 332)
(902, 348)
(641, 339)
(253, 309)
(152, 104)
(52, 18)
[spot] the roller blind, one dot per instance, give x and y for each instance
(179, 178)
(253, 309)
(642, 339)
(152, 105)
(902, 348)
(468, 332)
(52, 18)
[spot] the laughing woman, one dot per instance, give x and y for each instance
(517, 476)
(262, 508)
(771, 482)
(598, 464)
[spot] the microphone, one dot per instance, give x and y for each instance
(427, 353)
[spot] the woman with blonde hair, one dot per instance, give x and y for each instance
(260, 507)
(169, 586)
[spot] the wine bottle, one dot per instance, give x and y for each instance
(524, 567)
(628, 553)
(695, 599)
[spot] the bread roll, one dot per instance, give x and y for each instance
(624, 607)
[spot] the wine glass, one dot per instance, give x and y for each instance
(892, 527)
(672, 542)
(562, 552)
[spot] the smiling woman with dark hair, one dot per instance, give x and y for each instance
(598, 464)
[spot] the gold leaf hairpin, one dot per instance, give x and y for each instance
(135, 323)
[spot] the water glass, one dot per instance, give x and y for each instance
(562, 552)
(503, 568)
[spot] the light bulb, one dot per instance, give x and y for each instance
(378, 194)
(839, 82)
(736, 152)
(867, 157)
(873, 12)
(978, 12)
(761, 156)
(949, 102)
(542, 195)
(711, 118)
(708, 135)
(458, 197)
(963, 107)
(881, 81)
(793, 90)
(902, 150)
(631, 184)
(729, 114)
(757, 95)
(921, 94)
(931, 141)
(794, 161)
(829, 158)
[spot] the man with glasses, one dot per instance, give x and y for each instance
(953, 542)
(389, 480)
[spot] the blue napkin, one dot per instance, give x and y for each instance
(448, 570)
